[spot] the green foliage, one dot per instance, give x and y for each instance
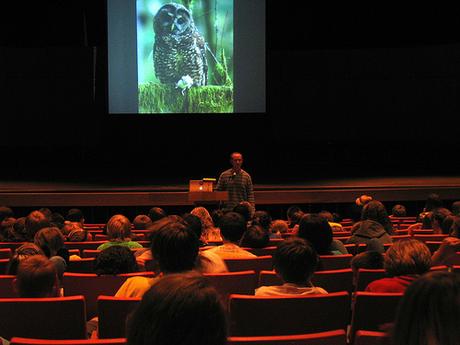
(159, 98)
(187, 3)
(221, 74)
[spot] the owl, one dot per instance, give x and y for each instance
(179, 50)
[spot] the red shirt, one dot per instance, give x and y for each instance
(394, 284)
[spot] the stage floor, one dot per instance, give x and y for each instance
(45, 193)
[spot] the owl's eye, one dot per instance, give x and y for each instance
(181, 20)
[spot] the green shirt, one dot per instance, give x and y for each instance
(129, 244)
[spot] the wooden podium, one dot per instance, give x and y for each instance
(207, 198)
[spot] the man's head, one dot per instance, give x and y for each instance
(232, 226)
(408, 256)
(236, 160)
(36, 278)
(295, 260)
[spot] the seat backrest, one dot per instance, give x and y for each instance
(91, 286)
(430, 237)
(90, 253)
(93, 341)
(331, 281)
(262, 251)
(6, 286)
(244, 282)
(84, 265)
(337, 337)
(371, 310)
(334, 262)
(5, 253)
(4, 265)
(113, 313)
(288, 315)
(367, 276)
(370, 338)
(250, 264)
(44, 318)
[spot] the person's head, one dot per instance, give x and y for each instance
(279, 226)
(399, 211)
(75, 215)
(369, 260)
(194, 224)
(245, 209)
(455, 227)
(263, 219)
(456, 208)
(327, 215)
(47, 212)
(376, 211)
(175, 248)
(156, 213)
(50, 240)
(35, 221)
(57, 220)
(6, 212)
(142, 222)
(432, 202)
(179, 309)
(118, 228)
(115, 260)
(363, 200)
(216, 215)
(255, 237)
(236, 160)
(232, 226)
(316, 230)
(74, 232)
(437, 218)
(21, 253)
(407, 256)
(447, 224)
(291, 211)
(36, 278)
(429, 311)
(295, 260)
(205, 217)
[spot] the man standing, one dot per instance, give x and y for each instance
(237, 182)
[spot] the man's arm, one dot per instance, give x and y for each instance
(250, 191)
(220, 183)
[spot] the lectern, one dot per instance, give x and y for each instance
(201, 192)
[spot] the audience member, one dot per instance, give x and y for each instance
(429, 311)
(74, 232)
(194, 224)
(57, 220)
(294, 214)
(209, 232)
(18, 233)
(255, 237)
(398, 210)
(404, 262)
(51, 242)
(316, 230)
(232, 227)
(295, 261)
(156, 213)
(33, 223)
(119, 233)
(142, 222)
(330, 218)
(456, 208)
(370, 259)
(75, 215)
(246, 210)
(356, 208)
(36, 278)
(179, 309)
(6, 212)
(432, 202)
(21, 253)
(115, 260)
(437, 218)
(278, 228)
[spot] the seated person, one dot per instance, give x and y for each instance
(295, 262)
(370, 259)
(51, 242)
(317, 231)
(119, 233)
(404, 262)
(179, 309)
(36, 278)
(255, 237)
(115, 260)
(142, 222)
(330, 218)
(21, 253)
(278, 228)
(232, 227)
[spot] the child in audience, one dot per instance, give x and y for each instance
(119, 233)
(370, 259)
(295, 262)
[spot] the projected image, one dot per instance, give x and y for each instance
(185, 56)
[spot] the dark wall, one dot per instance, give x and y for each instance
(351, 91)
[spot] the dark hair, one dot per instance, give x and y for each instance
(370, 259)
(175, 247)
(456, 208)
(255, 237)
(46, 211)
(327, 215)
(439, 215)
(455, 227)
(232, 226)
(34, 222)
(50, 240)
(292, 210)
(432, 202)
(115, 260)
(75, 215)
(429, 311)
(399, 211)
(57, 220)
(376, 211)
(6, 212)
(245, 210)
(156, 213)
(194, 223)
(263, 219)
(21, 253)
(36, 277)
(142, 222)
(316, 230)
(216, 215)
(295, 260)
(180, 309)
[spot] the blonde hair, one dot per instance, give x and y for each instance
(408, 256)
(279, 225)
(205, 217)
(118, 227)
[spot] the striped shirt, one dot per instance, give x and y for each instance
(238, 185)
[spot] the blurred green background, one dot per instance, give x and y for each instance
(214, 20)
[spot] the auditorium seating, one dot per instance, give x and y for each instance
(337, 337)
(430, 237)
(6, 286)
(243, 282)
(113, 312)
(45, 318)
(257, 264)
(4, 265)
(366, 276)
(288, 315)
(369, 338)
(334, 262)
(84, 265)
(5, 253)
(262, 251)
